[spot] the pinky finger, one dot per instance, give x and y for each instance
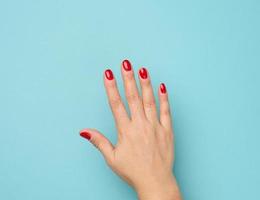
(165, 112)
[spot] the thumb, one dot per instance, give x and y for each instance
(100, 142)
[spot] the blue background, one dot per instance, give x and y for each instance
(52, 56)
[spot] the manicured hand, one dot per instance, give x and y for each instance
(144, 153)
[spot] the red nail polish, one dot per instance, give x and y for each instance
(143, 73)
(85, 134)
(163, 88)
(127, 65)
(109, 74)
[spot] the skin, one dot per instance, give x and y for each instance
(144, 153)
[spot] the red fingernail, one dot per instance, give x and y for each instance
(143, 73)
(85, 134)
(127, 65)
(163, 88)
(109, 74)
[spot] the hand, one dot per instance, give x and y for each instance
(144, 154)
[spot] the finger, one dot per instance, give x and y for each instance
(131, 91)
(115, 101)
(100, 142)
(165, 113)
(147, 95)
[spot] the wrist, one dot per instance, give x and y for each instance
(165, 189)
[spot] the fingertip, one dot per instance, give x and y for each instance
(127, 71)
(163, 89)
(126, 64)
(108, 73)
(143, 73)
(85, 134)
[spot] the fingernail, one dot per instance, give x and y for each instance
(127, 65)
(109, 74)
(163, 88)
(85, 134)
(143, 73)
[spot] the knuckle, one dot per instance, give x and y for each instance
(130, 76)
(165, 109)
(132, 98)
(149, 104)
(164, 99)
(165, 112)
(115, 102)
(171, 136)
(97, 144)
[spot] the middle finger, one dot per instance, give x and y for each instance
(133, 98)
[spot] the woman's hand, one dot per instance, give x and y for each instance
(144, 154)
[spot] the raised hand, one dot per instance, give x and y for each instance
(144, 153)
